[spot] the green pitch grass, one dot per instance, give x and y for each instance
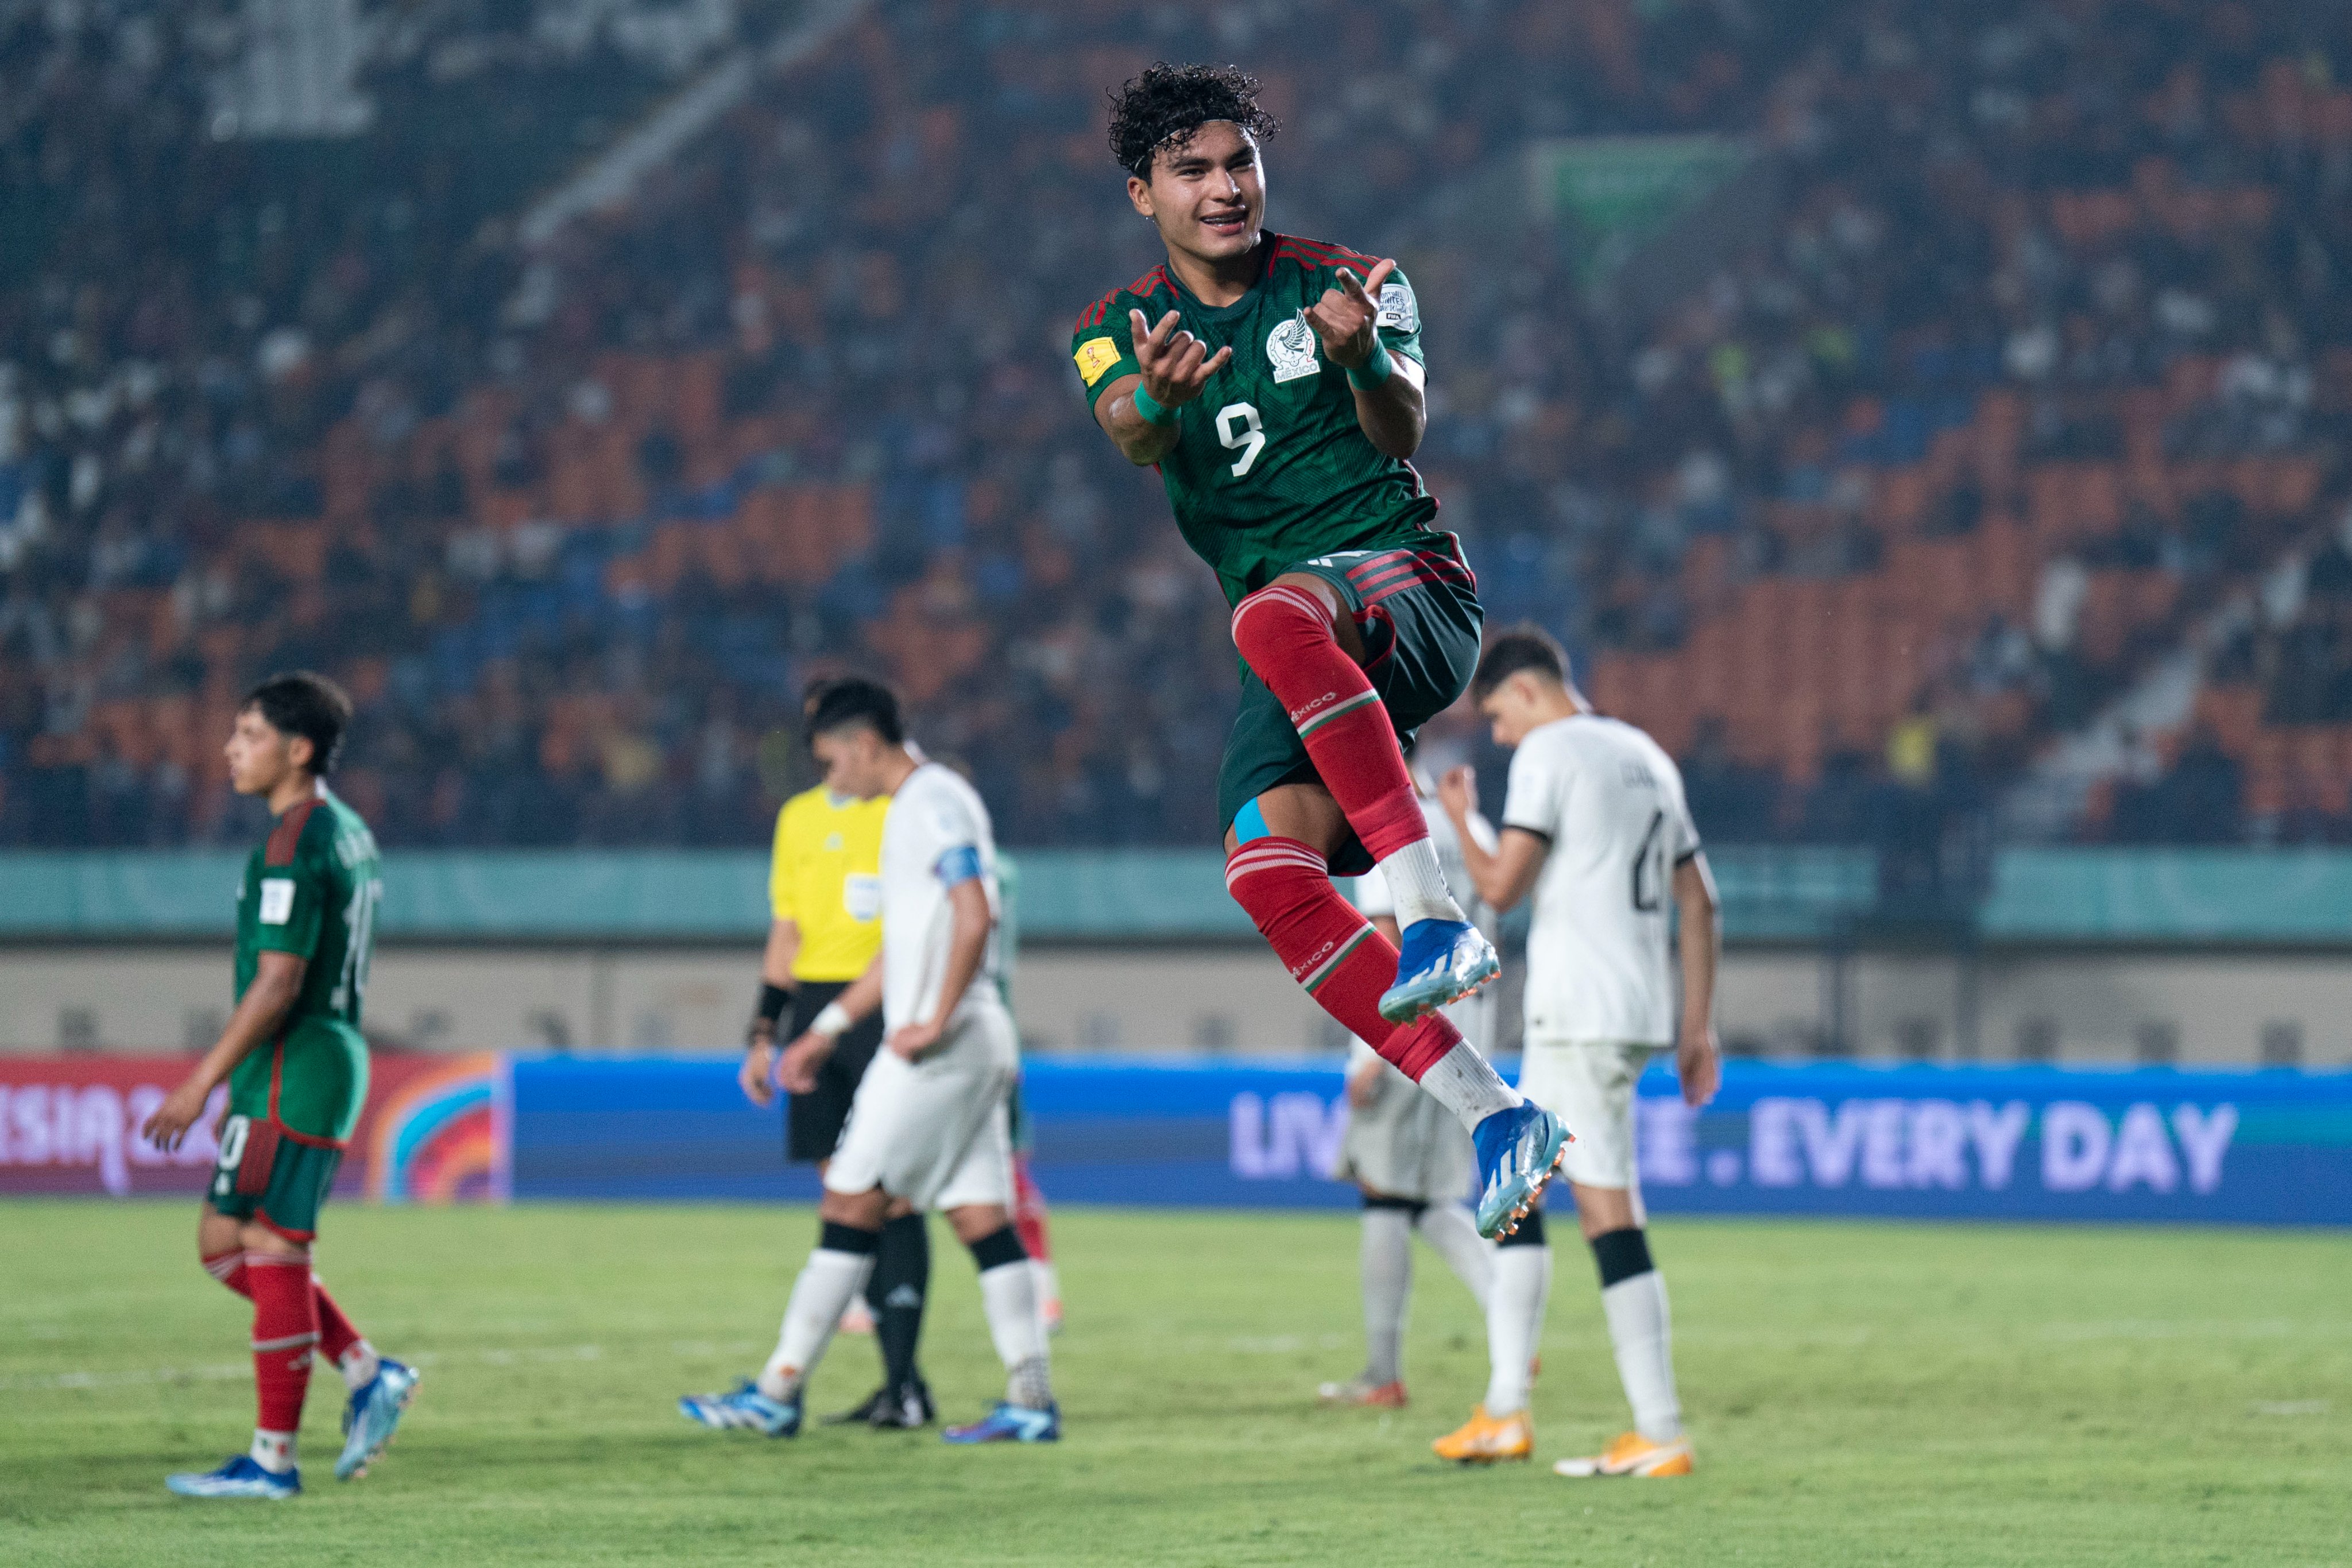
(1859, 1392)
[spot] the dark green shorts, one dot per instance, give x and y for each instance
(1418, 611)
(267, 1176)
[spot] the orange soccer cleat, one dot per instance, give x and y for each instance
(1485, 1438)
(1632, 1455)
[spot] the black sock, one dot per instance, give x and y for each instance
(895, 1293)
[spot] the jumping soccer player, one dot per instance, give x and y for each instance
(297, 1069)
(1277, 384)
(824, 894)
(1595, 825)
(1411, 1160)
(928, 1128)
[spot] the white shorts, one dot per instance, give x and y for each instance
(1588, 1084)
(935, 1133)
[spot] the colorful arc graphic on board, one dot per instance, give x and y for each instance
(442, 1137)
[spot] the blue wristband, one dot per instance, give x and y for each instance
(1153, 411)
(1373, 371)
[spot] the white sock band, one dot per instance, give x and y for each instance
(1417, 884)
(1008, 1295)
(359, 1366)
(827, 1281)
(1642, 1334)
(1448, 1229)
(1466, 1084)
(1515, 1315)
(1384, 1259)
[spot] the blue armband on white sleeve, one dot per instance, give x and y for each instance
(959, 865)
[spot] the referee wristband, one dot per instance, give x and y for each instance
(1373, 371)
(832, 1021)
(773, 1000)
(1151, 409)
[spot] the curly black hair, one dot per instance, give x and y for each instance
(1166, 104)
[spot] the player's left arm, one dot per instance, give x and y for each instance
(1697, 1060)
(1370, 329)
(277, 982)
(970, 921)
(1502, 867)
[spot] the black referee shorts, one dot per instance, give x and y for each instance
(812, 1122)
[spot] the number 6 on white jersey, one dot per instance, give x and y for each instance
(1238, 427)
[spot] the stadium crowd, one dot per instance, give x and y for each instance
(2040, 363)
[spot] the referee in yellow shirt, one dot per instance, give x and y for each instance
(824, 889)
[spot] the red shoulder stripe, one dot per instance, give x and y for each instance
(1143, 288)
(1328, 251)
(286, 834)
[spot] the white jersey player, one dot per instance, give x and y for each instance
(1595, 825)
(928, 1127)
(1410, 1156)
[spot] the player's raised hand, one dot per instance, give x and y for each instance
(1175, 364)
(1458, 792)
(1346, 318)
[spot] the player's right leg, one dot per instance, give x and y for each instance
(1278, 868)
(252, 1236)
(1502, 1427)
(849, 1232)
(1299, 636)
(1595, 1082)
(884, 1118)
(971, 1182)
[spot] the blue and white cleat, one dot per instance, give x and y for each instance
(373, 1416)
(745, 1408)
(241, 1477)
(1010, 1423)
(1519, 1150)
(1438, 962)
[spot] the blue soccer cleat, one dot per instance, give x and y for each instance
(373, 1416)
(1438, 962)
(745, 1408)
(1010, 1423)
(241, 1477)
(1519, 1150)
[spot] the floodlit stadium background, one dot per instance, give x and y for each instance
(1930, 422)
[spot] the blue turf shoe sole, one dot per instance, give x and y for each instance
(375, 1415)
(1010, 1423)
(743, 1408)
(1518, 1150)
(1438, 962)
(239, 1477)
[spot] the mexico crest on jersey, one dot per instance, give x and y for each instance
(1291, 349)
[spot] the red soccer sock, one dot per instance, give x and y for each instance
(1331, 949)
(1284, 634)
(229, 1267)
(1029, 1212)
(285, 1333)
(336, 1333)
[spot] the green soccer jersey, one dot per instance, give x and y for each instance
(1270, 468)
(312, 890)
